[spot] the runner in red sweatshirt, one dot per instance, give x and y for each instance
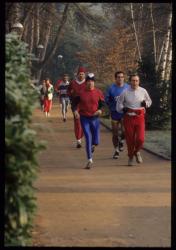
(75, 87)
(90, 101)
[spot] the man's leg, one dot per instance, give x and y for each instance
(129, 124)
(115, 140)
(78, 131)
(140, 135)
(85, 122)
(121, 135)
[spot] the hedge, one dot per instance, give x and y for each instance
(21, 150)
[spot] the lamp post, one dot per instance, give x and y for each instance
(59, 56)
(18, 28)
(39, 50)
(34, 63)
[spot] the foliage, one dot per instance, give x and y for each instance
(21, 146)
(159, 114)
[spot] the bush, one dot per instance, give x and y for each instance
(21, 146)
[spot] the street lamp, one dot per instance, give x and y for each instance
(18, 28)
(39, 49)
(59, 56)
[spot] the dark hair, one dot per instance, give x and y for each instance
(117, 73)
(65, 75)
(132, 76)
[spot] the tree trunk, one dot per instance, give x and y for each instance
(36, 26)
(166, 47)
(135, 32)
(27, 14)
(154, 37)
(31, 36)
(46, 59)
(167, 75)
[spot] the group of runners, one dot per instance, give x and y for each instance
(127, 103)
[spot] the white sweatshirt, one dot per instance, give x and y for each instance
(132, 98)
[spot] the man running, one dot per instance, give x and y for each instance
(112, 94)
(61, 88)
(133, 102)
(77, 85)
(90, 101)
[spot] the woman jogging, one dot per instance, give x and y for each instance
(48, 97)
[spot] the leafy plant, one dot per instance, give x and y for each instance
(21, 146)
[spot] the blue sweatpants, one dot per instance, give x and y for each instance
(91, 129)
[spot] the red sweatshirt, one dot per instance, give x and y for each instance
(89, 101)
(75, 88)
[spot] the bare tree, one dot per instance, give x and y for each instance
(166, 46)
(154, 37)
(135, 32)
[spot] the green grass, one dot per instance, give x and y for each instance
(157, 141)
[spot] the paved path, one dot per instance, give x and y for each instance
(110, 205)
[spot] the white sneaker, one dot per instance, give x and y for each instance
(138, 157)
(130, 162)
(116, 155)
(46, 114)
(89, 164)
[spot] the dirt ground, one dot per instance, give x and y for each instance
(110, 205)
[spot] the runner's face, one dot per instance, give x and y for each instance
(65, 78)
(135, 82)
(81, 76)
(90, 84)
(120, 79)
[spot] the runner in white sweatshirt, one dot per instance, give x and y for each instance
(133, 102)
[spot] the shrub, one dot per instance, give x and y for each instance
(21, 145)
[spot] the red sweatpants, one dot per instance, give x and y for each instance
(47, 105)
(134, 133)
(78, 129)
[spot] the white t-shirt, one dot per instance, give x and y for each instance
(132, 98)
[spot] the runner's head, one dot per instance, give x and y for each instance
(65, 77)
(90, 81)
(48, 82)
(134, 81)
(119, 78)
(81, 73)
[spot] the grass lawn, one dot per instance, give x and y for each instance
(158, 141)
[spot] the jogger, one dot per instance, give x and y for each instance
(135, 131)
(77, 85)
(90, 101)
(112, 94)
(133, 102)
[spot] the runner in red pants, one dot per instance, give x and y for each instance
(135, 131)
(133, 102)
(77, 85)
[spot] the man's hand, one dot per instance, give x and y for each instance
(98, 113)
(143, 104)
(76, 114)
(125, 109)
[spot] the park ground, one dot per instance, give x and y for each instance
(110, 205)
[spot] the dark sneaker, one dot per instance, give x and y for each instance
(93, 148)
(64, 120)
(130, 162)
(89, 165)
(121, 146)
(138, 157)
(116, 155)
(78, 145)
